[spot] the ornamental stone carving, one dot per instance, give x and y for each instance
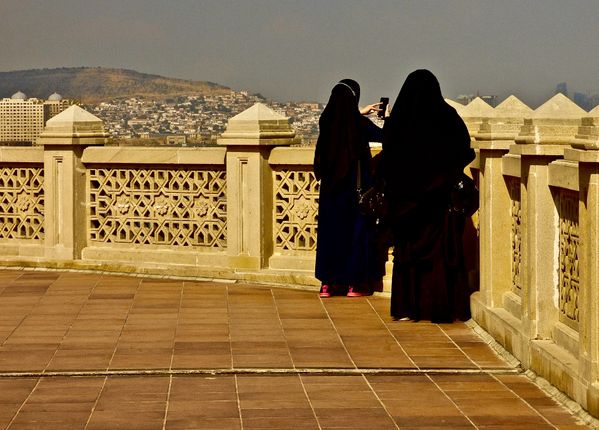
(122, 205)
(301, 208)
(162, 206)
(516, 232)
(201, 208)
(170, 207)
(296, 208)
(569, 241)
(22, 203)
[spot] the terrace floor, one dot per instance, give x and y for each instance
(99, 351)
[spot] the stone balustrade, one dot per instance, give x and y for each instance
(247, 209)
(539, 246)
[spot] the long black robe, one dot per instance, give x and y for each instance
(346, 253)
(425, 147)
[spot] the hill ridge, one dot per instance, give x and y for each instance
(94, 84)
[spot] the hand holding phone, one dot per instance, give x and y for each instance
(383, 107)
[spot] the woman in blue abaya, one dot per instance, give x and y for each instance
(346, 254)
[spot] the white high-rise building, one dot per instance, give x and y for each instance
(22, 119)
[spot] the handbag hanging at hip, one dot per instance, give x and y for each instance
(464, 197)
(371, 202)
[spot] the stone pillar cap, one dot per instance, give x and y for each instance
(477, 108)
(513, 107)
(587, 136)
(73, 126)
(506, 121)
(258, 125)
(559, 107)
(555, 122)
(474, 113)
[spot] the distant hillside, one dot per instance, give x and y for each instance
(94, 84)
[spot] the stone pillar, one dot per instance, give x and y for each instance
(498, 277)
(586, 154)
(64, 138)
(542, 140)
(249, 137)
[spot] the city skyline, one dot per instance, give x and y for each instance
(291, 50)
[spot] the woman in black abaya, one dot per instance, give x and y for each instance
(346, 261)
(426, 146)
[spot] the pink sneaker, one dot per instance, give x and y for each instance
(353, 293)
(325, 291)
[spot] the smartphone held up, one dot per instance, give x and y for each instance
(384, 102)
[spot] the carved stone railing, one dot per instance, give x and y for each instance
(539, 223)
(245, 209)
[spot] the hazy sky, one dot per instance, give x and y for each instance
(297, 49)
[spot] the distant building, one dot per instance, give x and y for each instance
(467, 98)
(176, 139)
(311, 106)
(562, 88)
(586, 101)
(593, 101)
(581, 100)
(55, 104)
(22, 119)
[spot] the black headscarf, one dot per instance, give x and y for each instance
(341, 135)
(419, 99)
(425, 142)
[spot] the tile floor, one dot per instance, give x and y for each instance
(97, 351)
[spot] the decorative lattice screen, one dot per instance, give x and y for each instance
(513, 185)
(569, 239)
(171, 207)
(296, 208)
(22, 203)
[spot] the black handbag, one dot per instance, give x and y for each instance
(464, 196)
(371, 202)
